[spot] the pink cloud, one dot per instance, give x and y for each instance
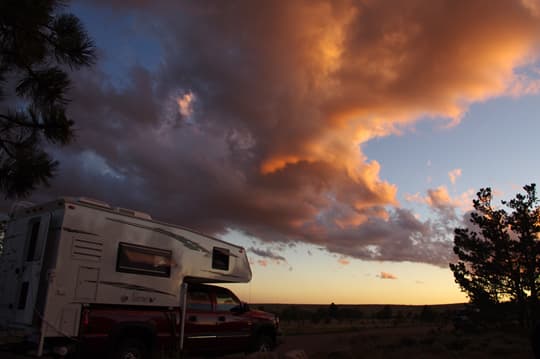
(523, 85)
(414, 198)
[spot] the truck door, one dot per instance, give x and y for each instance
(27, 273)
(233, 329)
(200, 323)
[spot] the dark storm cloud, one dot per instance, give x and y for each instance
(401, 235)
(255, 116)
(267, 253)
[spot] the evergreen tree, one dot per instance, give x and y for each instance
(38, 45)
(499, 256)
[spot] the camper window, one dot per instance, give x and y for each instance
(143, 260)
(220, 258)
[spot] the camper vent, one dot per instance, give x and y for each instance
(86, 249)
(133, 213)
(94, 202)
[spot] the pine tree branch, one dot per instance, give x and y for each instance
(6, 149)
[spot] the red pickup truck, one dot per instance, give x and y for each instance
(216, 323)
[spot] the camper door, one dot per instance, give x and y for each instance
(33, 233)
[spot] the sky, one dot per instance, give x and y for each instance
(339, 142)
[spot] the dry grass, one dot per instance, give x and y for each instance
(427, 343)
(420, 342)
(404, 336)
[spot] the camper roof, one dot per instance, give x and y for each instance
(27, 208)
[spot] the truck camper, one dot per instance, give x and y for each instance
(77, 275)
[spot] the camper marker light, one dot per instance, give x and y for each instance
(86, 319)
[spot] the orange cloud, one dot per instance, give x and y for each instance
(288, 93)
(343, 261)
(185, 104)
(439, 199)
(454, 174)
(372, 77)
(278, 163)
(385, 275)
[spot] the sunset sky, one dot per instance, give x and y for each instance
(340, 142)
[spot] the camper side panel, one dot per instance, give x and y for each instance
(106, 257)
(113, 259)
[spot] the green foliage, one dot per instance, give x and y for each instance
(499, 256)
(38, 44)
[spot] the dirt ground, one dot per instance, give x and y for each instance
(411, 343)
(421, 342)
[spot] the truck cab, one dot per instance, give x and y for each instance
(216, 318)
(216, 322)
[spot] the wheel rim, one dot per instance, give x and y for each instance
(264, 347)
(130, 355)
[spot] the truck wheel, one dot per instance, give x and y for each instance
(263, 343)
(131, 349)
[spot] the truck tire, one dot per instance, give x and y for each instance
(131, 349)
(263, 343)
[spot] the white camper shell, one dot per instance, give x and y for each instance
(63, 255)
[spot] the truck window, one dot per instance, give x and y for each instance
(143, 260)
(220, 258)
(225, 301)
(199, 300)
(23, 294)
